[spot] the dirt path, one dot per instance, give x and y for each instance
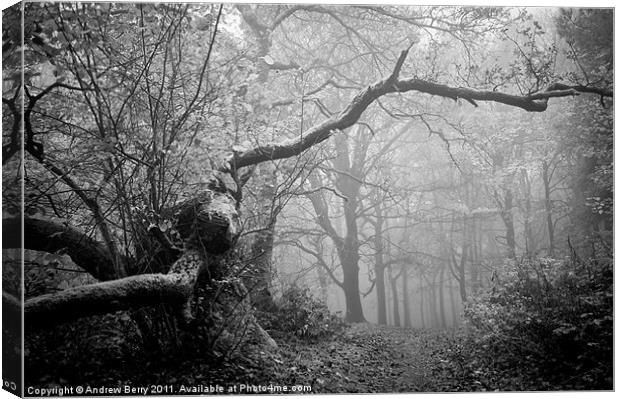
(366, 358)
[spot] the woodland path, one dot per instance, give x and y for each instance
(364, 358)
(369, 358)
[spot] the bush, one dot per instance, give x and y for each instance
(545, 324)
(300, 314)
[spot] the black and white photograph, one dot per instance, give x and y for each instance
(306, 198)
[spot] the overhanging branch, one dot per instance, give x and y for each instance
(536, 102)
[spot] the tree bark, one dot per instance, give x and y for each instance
(354, 312)
(46, 236)
(176, 287)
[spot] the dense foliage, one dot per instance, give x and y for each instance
(545, 324)
(298, 313)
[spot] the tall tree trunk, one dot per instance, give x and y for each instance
(351, 285)
(454, 307)
(457, 267)
(530, 243)
(261, 272)
(350, 252)
(507, 216)
(379, 267)
(406, 310)
(462, 275)
(350, 266)
(548, 206)
(381, 303)
(474, 264)
(432, 304)
(442, 310)
(347, 247)
(395, 308)
(422, 304)
(261, 249)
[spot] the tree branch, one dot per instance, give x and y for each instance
(176, 287)
(317, 256)
(536, 102)
(42, 235)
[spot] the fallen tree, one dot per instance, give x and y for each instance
(209, 224)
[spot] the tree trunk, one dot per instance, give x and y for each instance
(395, 307)
(462, 288)
(509, 223)
(422, 312)
(454, 307)
(350, 282)
(379, 267)
(347, 247)
(432, 304)
(548, 206)
(530, 243)
(474, 264)
(442, 309)
(259, 275)
(406, 310)
(457, 267)
(381, 303)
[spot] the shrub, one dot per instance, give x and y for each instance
(300, 314)
(544, 324)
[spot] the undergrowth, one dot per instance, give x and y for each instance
(545, 324)
(298, 313)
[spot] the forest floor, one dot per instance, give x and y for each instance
(364, 358)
